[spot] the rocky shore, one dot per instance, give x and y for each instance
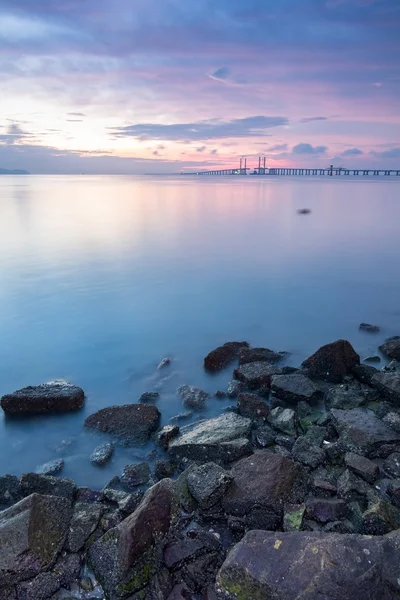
(292, 493)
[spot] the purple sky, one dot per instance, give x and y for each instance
(136, 86)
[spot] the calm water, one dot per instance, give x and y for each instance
(101, 277)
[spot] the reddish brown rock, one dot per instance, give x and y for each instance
(332, 361)
(222, 356)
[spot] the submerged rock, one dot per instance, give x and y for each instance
(391, 348)
(332, 361)
(51, 397)
(295, 388)
(256, 374)
(149, 397)
(102, 454)
(130, 423)
(51, 468)
(164, 363)
(369, 328)
(193, 397)
(248, 355)
(222, 356)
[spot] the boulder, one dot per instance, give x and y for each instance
(10, 489)
(43, 586)
(47, 485)
(130, 423)
(248, 355)
(102, 454)
(369, 328)
(51, 468)
(32, 532)
(253, 407)
(193, 397)
(84, 521)
(222, 356)
(307, 452)
(208, 483)
(364, 373)
(128, 556)
(51, 397)
(332, 361)
(221, 439)
(166, 434)
(313, 566)
(283, 419)
(326, 510)
(149, 397)
(134, 475)
(344, 398)
(391, 348)
(388, 384)
(361, 432)
(67, 568)
(373, 358)
(392, 420)
(391, 465)
(256, 374)
(294, 388)
(361, 466)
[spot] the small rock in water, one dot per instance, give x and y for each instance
(220, 394)
(193, 397)
(182, 417)
(369, 328)
(391, 348)
(164, 363)
(222, 356)
(149, 397)
(102, 454)
(372, 359)
(234, 388)
(51, 468)
(166, 434)
(303, 211)
(52, 397)
(134, 475)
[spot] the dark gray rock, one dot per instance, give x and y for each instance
(249, 355)
(40, 588)
(372, 359)
(193, 397)
(208, 483)
(32, 532)
(369, 328)
(342, 397)
(178, 552)
(67, 568)
(134, 475)
(283, 419)
(332, 361)
(392, 367)
(201, 572)
(222, 439)
(325, 510)
(149, 397)
(164, 363)
(285, 440)
(264, 436)
(391, 466)
(51, 397)
(10, 489)
(295, 388)
(131, 423)
(102, 454)
(393, 491)
(361, 432)
(166, 434)
(364, 373)
(47, 485)
(85, 494)
(316, 434)
(361, 466)
(352, 488)
(256, 374)
(84, 521)
(163, 469)
(381, 517)
(253, 407)
(51, 468)
(306, 452)
(391, 348)
(234, 389)
(303, 409)
(388, 384)
(222, 356)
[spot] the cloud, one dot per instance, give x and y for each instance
(392, 153)
(75, 120)
(156, 153)
(352, 152)
(221, 74)
(14, 135)
(215, 151)
(201, 149)
(308, 149)
(210, 129)
(278, 148)
(310, 119)
(76, 114)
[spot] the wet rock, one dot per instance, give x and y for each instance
(164, 363)
(264, 481)
(234, 389)
(102, 454)
(51, 397)
(67, 568)
(131, 423)
(361, 466)
(166, 434)
(374, 358)
(163, 469)
(208, 483)
(249, 355)
(293, 517)
(380, 518)
(343, 398)
(256, 374)
(222, 356)
(127, 557)
(221, 439)
(393, 491)
(47, 485)
(252, 407)
(332, 361)
(360, 431)
(32, 532)
(306, 452)
(149, 397)
(294, 388)
(388, 384)
(51, 468)
(369, 328)
(39, 588)
(264, 436)
(193, 397)
(391, 466)
(134, 475)
(391, 349)
(10, 489)
(84, 521)
(283, 419)
(325, 510)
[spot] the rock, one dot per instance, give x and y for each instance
(249, 355)
(372, 359)
(182, 417)
(345, 399)
(393, 366)
(85, 494)
(54, 396)
(134, 475)
(291, 566)
(252, 407)
(264, 481)
(127, 557)
(67, 568)
(256, 374)
(163, 469)
(283, 419)
(325, 510)
(391, 466)
(164, 363)
(369, 328)
(360, 431)
(208, 483)
(149, 397)
(85, 519)
(361, 466)
(364, 373)
(285, 440)
(10, 489)
(177, 553)
(102, 454)
(131, 423)
(179, 592)
(193, 397)
(388, 384)
(344, 526)
(391, 349)
(264, 436)
(303, 409)
(393, 491)
(39, 588)
(306, 452)
(352, 488)
(333, 361)
(51, 468)
(220, 394)
(293, 517)
(32, 532)
(294, 388)
(201, 572)
(166, 434)
(214, 439)
(392, 420)
(47, 485)
(380, 518)
(222, 356)
(323, 488)
(234, 389)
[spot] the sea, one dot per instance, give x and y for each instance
(101, 277)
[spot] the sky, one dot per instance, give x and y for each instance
(157, 86)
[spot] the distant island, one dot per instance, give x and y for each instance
(14, 172)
